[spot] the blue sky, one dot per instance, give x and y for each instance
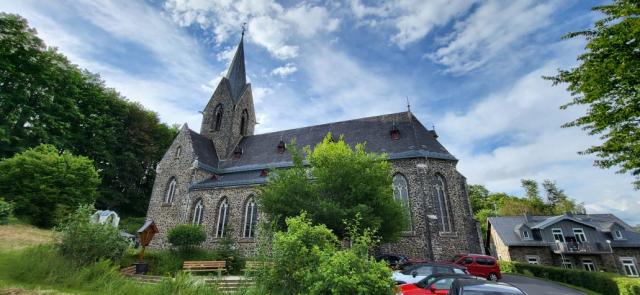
(471, 68)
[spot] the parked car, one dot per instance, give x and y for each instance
(396, 261)
(479, 287)
(433, 284)
(479, 265)
(414, 273)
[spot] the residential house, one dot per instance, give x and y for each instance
(591, 242)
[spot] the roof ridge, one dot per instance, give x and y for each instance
(330, 123)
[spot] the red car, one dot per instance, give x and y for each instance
(434, 284)
(480, 265)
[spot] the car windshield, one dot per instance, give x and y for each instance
(426, 282)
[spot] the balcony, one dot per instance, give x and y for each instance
(580, 248)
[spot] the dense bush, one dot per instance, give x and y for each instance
(42, 182)
(306, 260)
(186, 237)
(85, 242)
(601, 282)
(5, 211)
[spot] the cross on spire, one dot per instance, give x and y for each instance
(243, 29)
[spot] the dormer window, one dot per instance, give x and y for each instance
(618, 235)
(526, 235)
(395, 133)
(237, 152)
(214, 177)
(281, 147)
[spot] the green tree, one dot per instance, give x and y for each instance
(535, 203)
(46, 99)
(41, 180)
(345, 182)
(607, 82)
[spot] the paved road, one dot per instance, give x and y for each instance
(538, 287)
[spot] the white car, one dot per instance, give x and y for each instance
(414, 273)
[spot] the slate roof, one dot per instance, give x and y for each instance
(505, 227)
(260, 151)
(204, 149)
(236, 74)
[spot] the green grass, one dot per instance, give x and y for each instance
(41, 267)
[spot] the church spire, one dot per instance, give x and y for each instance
(236, 73)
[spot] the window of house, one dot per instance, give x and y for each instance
(525, 235)
(629, 266)
(557, 234)
(579, 234)
(171, 191)
(443, 206)
(222, 218)
(618, 235)
(588, 265)
(533, 259)
(401, 194)
(566, 263)
(178, 151)
(197, 212)
(250, 218)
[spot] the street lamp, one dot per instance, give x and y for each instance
(612, 256)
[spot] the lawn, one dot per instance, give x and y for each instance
(18, 236)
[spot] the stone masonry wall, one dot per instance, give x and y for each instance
(425, 240)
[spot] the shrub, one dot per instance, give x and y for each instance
(186, 237)
(601, 282)
(40, 180)
(306, 260)
(85, 242)
(5, 211)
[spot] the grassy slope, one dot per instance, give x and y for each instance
(18, 236)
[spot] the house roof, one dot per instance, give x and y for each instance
(506, 228)
(204, 149)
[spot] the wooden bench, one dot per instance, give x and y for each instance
(205, 266)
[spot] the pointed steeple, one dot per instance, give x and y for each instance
(236, 73)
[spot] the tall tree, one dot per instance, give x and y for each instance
(607, 82)
(46, 99)
(346, 182)
(44, 183)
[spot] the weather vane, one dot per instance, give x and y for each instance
(408, 105)
(243, 28)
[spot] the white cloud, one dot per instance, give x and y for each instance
(270, 25)
(491, 29)
(411, 19)
(285, 70)
(515, 133)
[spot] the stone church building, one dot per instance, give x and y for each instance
(212, 177)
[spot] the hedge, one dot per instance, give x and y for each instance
(601, 282)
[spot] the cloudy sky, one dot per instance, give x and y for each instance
(470, 68)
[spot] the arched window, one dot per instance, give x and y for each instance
(223, 210)
(401, 194)
(217, 123)
(243, 122)
(443, 204)
(178, 151)
(250, 218)
(197, 212)
(171, 191)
